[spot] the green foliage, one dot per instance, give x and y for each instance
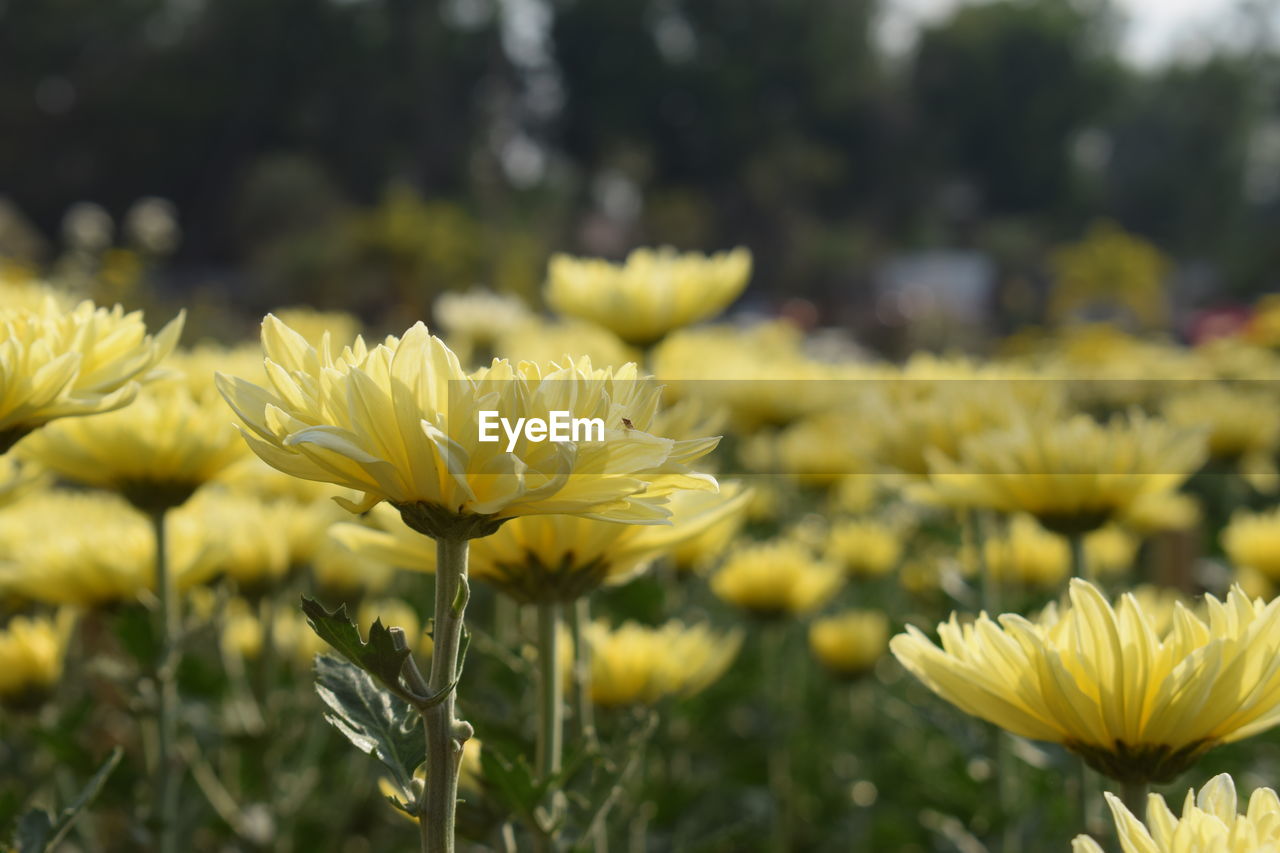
(376, 721)
(38, 831)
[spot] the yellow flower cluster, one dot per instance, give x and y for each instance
(1137, 705)
(400, 422)
(32, 649)
(651, 294)
(775, 579)
(1073, 475)
(639, 665)
(56, 363)
(548, 558)
(849, 643)
(1210, 823)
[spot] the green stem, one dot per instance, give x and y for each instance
(446, 735)
(579, 617)
(780, 782)
(168, 773)
(584, 710)
(550, 705)
(1006, 768)
(1079, 561)
(1134, 795)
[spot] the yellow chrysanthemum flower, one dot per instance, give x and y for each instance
(1252, 541)
(32, 649)
(1073, 475)
(865, 547)
(651, 294)
(244, 632)
(253, 553)
(474, 323)
(697, 552)
(849, 643)
(1242, 422)
(342, 574)
(544, 342)
(156, 452)
(638, 665)
(1210, 823)
(932, 406)
(401, 422)
(761, 374)
(1137, 705)
(93, 549)
(1025, 554)
(552, 558)
(818, 450)
(56, 363)
(1162, 511)
(775, 579)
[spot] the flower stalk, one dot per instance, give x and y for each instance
(550, 707)
(167, 771)
(445, 733)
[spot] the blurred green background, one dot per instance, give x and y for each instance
(372, 153)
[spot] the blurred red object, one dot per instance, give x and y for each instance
(1220, 322)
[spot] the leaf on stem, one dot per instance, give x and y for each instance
(379, 657)
(377, 721)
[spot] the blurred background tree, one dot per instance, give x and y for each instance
(371, 153)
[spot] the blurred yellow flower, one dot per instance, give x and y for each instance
(865, 547)
(1242, 422)
(544, 342)
(474, 322)
(549, 558)
(760, 373)
(697, 552)
(92, 549)
(56, 363)
(651, 294)
(1073, 475)
(342, 574)
(156, 452)
(400, 422)
(1026, 554)
(817, 450)
(775, 579)
(252, 553)
(639, 665)
(1210, 823)
(32, 650)
(1162, 511)
(1110, 551)
(244, 632)
(848, 644)
(1252, 541)
(1138, 706)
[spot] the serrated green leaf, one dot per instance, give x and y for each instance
(377, 721)
(379, 657)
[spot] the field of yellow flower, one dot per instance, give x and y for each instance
(290, 594)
